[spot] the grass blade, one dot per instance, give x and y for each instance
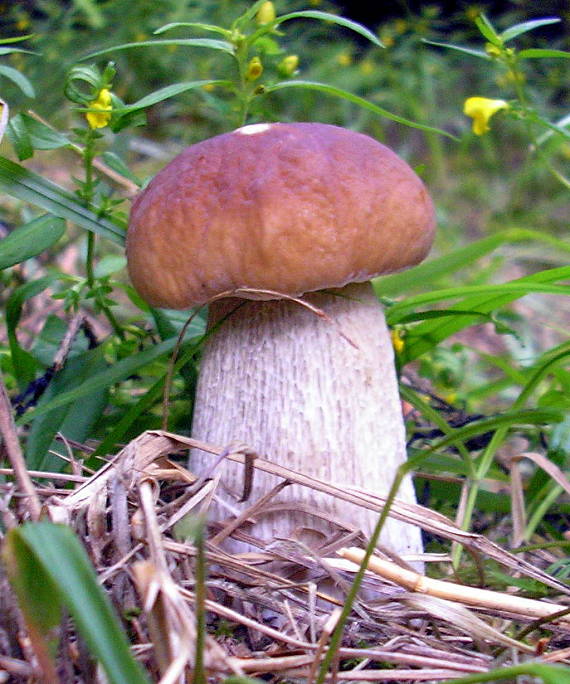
(27, 186)
(49, 569)
(428, 271)
(116, 373)
(30, 240)
(428, 334)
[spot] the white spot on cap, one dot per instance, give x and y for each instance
(253, 129)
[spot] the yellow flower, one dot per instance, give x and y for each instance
(101, 117)
(398, 343)
(344, 59)
(481, 109)
(254, 69)
(266, 13)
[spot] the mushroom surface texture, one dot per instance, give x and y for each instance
(302, 209)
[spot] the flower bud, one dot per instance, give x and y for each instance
(288, 65)
(266, 13)
(254, 69)
(492, 50)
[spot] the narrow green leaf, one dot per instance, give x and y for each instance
(209, 43)
(508, 420)
(428, 271)
(43, 137)
(248, 15)
(74, 420)
(330, 18)
(15, 39)
(102, 380)
(487, 30)
(459, 48)
(109, 264)
(193, 25)
(45, 551)
(526, 26)
(8, 51)
(550, 674)
(355, 99)
(23, 83)
(518, 288)
(428, 334)
(146, 401)
(537, 53)
(20, 138)
(115, 162)
(25, 185)
(30, 240)
(23, 363)
(561, 124)
(170, 91)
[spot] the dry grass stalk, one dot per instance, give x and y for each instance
(15, 455)
(472, 596)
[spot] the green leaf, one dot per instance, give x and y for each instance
(538, 53)
(75, 421)
(49, 568)
(526, 26)
(16, 39)
(333, 19)
(9, 51)
(19, 79)
(355, 99)
(561, 124)
(428, 334)
(115, 163)
(23, 363)
(109, 264)
(146, 401)
(30, 240)
(507, 420)
(25, 185)
(459, 48)
(43, 137)
(48, 341)
(248, 15)
(20, 138)
(168, 92)
(193, 25)
(488, 30)
(550, 674)
(104, 379)
(520, 289)
(221, 45)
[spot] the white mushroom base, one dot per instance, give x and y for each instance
(288, 384)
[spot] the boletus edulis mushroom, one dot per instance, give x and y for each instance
(307, 210)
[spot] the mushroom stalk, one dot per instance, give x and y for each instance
(290, 385)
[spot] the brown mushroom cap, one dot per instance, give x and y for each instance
(286, 207)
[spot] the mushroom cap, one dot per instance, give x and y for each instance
(286, 207)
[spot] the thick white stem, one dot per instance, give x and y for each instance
(287, 383)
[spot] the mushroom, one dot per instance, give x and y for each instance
(302, 209)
